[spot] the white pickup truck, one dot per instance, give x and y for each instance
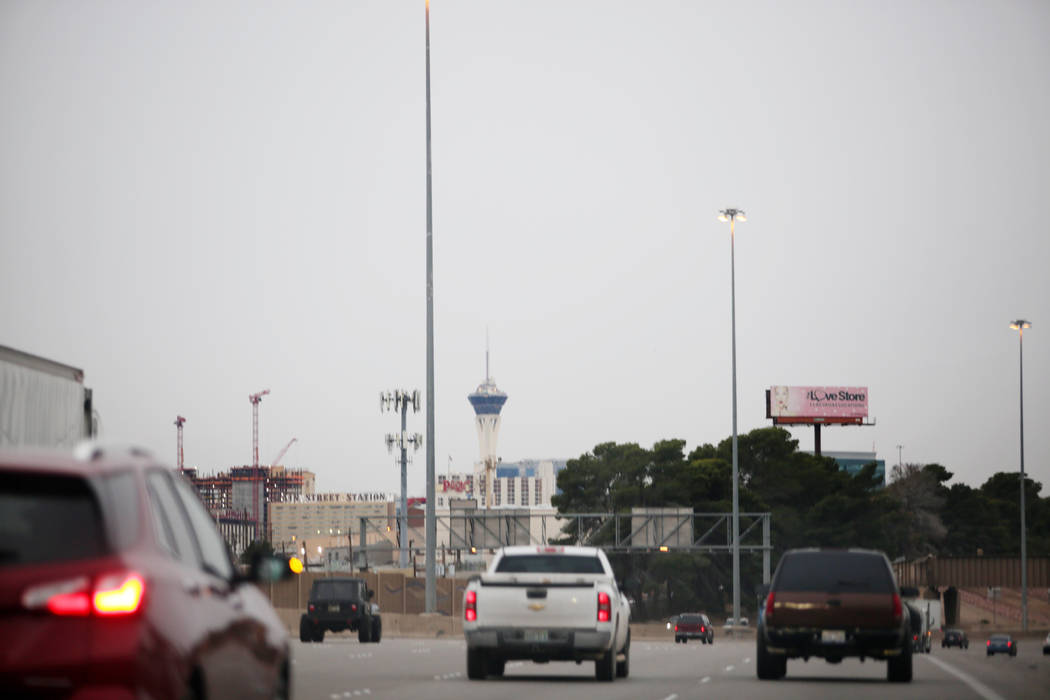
(547, 604)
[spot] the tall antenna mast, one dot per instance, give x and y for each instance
(487, 375)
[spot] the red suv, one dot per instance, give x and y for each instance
(115, 583)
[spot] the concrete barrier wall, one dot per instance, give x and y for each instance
(436, 626)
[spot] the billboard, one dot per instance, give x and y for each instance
(817, 404)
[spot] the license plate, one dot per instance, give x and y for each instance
(833, 636)
(535, 635)
(333, 608)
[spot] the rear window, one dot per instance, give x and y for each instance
(337, 590)
(834, 572)
(48, 519)
(550, 564)
(690, 620)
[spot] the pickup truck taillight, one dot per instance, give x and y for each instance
(769, 606)
(897, 610)
(470, 607)
(604, 607)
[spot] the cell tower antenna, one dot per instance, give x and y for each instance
(488, 375)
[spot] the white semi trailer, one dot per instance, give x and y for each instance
(42, 402)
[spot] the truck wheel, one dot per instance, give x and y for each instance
(496, 667)
(477, 664)
(898, 669)
(377, 629)
(769, 667)
(306, 634)
(364, 631)
(624, 667)
(605, 667)
(319, 634)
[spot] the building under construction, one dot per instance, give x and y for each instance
(229, 498)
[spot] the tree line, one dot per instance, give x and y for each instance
(812, 501)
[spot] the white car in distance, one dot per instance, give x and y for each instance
(547, 604)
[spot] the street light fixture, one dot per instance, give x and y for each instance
(1020, 325)
(732, 216)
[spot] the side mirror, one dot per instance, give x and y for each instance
(370, 594)
(268, 569)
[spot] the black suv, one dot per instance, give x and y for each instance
(338, 604)
(955, 638)
(830, 604)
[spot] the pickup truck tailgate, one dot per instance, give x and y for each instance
(565, 604)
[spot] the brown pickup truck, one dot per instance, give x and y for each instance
(831, 604)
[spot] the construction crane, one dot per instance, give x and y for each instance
(179, 420)
(255, 400)
(277, 459)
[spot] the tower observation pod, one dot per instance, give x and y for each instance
(488, 401)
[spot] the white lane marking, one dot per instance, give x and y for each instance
(747, 660)
(729, 668)
(672, 696)
(705, 679)
(977, 686)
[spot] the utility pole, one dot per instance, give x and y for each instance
(400, 400)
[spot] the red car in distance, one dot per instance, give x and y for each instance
(115, 583)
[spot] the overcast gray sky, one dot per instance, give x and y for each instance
(200, 200)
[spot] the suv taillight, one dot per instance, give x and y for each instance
(113, 594)
(769, 607)
(897, 610)
(604, 607)
(470, 607)
(118, 594)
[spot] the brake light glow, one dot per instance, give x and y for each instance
(898, 611)
(1009, 644)
(120, 594)
(604, 607)
(988, 643)
(470, 607)
(769, 606)
(676, 628)
(114, 594)
(76, 603)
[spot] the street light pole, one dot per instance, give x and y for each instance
(1019, 326)
(430, 597)
(731, 215)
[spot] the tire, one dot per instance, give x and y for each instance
(768, 667)
(306, 634)
(898, 669)
(685, 640)
(677, 640)
(623, 668)
(377, 629)
(364, 631)
(477, 664)
(605, 667)
(319, 634)
(989, 653)
(496, 667)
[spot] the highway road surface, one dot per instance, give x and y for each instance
(432, 669)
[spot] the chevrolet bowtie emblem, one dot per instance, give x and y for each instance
(536, 607)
